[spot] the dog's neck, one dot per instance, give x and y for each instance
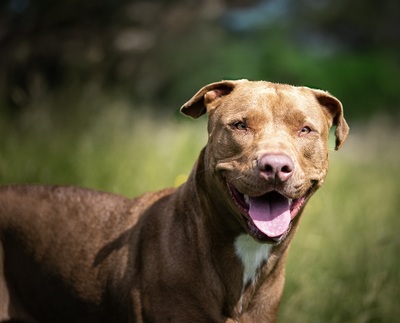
(252, 254)
(238, 260)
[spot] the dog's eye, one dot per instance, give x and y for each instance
(305, 130)
(239, 125)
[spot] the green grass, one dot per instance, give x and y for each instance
(343, 264)
(114, 150)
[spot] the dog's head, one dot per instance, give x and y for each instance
(268, 148)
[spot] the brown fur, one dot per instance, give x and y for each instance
(74, 255)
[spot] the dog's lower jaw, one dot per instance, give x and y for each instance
(241, 204)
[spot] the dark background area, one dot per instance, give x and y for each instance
(157, 53)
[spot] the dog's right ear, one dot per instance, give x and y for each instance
(197, 105)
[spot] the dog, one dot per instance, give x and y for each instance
(211, 250)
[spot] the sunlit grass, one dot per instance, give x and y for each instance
(343, 264)
(117, 150)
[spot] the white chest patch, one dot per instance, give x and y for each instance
(252, 254)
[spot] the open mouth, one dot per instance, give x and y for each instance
(268, 216)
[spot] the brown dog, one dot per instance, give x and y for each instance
(212, 250)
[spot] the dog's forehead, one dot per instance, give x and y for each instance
(274, 94)
(271, 99)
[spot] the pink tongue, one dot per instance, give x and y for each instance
(270, 213)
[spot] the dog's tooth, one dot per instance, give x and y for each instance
(246, 199)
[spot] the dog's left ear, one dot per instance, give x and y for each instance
(197, 105)
(334, 110)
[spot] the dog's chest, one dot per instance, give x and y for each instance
(252, 254)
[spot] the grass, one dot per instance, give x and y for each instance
(343, 264)
(114, 150)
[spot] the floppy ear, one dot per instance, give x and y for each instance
(334, 110)
(197, 105)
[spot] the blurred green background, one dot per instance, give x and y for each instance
(90, 92)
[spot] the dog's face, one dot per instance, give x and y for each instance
(268, 147)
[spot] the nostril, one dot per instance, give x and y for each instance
(286, 169)
(268, 168)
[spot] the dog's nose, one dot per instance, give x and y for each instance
(275, 167)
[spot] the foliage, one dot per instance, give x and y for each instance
(365, 83)
(156, 52)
